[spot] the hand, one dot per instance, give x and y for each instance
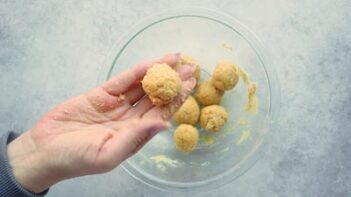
(94, 132)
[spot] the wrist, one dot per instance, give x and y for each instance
(29, 165)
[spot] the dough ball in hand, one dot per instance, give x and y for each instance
(161, 83)
(185, 60)
(186, 137)
(188, 113)
(225, 76)
(208, 94)
(213, 117)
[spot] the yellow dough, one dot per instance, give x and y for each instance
(251, 106)
(188, 113)
(161, 83)
(208, 94)
(186, 59)
(186, 137)
(213, 117)
(225, 76)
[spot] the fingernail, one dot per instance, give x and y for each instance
(193, 67)
(192, 82)
(178, 55)
(168, 124)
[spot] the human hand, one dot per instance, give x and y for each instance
(94, 132)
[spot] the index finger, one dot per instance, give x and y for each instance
(123, 81)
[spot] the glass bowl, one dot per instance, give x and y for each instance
(220, 157)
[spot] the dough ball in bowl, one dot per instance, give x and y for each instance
(186, 137)
(225, 75)
(161, 83)
(213, 117)
(188, 113)
(208, 94)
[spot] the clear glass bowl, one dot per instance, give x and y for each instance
(220, 157)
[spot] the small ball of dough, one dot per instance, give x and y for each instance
(186, 137)
(208, 94)
(161, 83)
(225, 76)
(213, 117)
(186, 59)
(189, 112)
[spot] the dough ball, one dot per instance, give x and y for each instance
(161, 83)
(225, 76)
(186, 137)
(208, 94)
(213, 117)
(189, 112)
(186, 59)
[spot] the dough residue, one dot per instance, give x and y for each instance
(252, 103)
(208, 140)
(251, 106)
(243, 136)
(227, 46)
(243, 74)
(121, 98)
(163, 159)
(242, 121)
(225, 149)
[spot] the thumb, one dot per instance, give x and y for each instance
(134, 134)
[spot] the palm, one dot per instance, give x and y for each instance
(96, 131)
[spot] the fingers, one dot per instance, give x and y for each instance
(143, 106)
(166, 112)
(135, 94)
(132, 136)
(186, 71)
(108, 107)
(102, 101)
(123, 81)
(170, 59)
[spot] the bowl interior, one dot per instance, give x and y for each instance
(220, 154)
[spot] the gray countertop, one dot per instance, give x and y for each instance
(51, 50)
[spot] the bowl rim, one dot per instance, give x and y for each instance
(274, 93)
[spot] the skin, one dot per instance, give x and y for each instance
(94, 132)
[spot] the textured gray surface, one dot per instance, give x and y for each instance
(51, 50)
